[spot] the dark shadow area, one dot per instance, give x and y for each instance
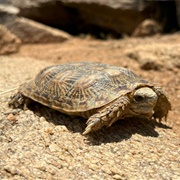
(101, 21)
(119, 131)
(72, 19)
(123, 129)
(165, 13)
(72, 123)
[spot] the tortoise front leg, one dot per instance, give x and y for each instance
(107, 116)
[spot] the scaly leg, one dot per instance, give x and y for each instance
(107, 116)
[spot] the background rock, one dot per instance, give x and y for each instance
(156, 56)
(33, 32)
(148, 27)
(9, 43)
(99, 17)
(28, 30)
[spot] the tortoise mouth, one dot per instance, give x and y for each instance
(146, 114)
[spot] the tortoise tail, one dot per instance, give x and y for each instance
(18, 101)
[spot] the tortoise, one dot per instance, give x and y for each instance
(100, 92)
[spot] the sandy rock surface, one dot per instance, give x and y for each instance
(41, 143)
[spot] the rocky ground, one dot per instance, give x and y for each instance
(41, 143)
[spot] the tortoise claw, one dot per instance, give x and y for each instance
(87, 130)
(93, 125)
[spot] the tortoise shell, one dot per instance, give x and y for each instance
(83, 86)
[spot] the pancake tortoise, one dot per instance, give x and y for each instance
(100, 92)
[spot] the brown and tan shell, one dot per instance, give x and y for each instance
(79, 87)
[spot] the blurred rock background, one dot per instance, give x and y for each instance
(101, 18)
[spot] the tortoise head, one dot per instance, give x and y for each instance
(142, 102)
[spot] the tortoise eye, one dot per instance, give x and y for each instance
(138, 98)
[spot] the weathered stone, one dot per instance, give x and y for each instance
(27, 30)
(9, 43)
(92, 16)
(151, 65)
(9, 9)
(148, 27)
(33, 32)
(98, 17)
